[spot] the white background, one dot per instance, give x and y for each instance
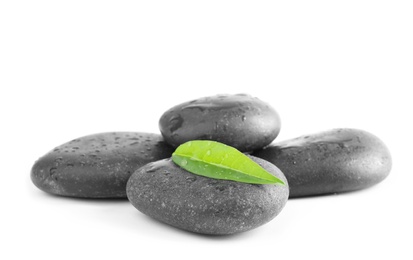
(73, 68)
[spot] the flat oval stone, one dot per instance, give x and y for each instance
(170, 194)
(334, 161)
(97, 166)
(241, 121)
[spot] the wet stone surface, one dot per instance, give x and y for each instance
(241, 121)
(333, 161)
(170, 194)
(97, 166)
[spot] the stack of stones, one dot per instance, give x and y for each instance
(137, 166)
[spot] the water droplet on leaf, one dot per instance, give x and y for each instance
(184, 162)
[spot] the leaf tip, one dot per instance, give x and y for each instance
(279, 182)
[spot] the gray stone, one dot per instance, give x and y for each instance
(241, 121)
(334, 161)
(97, 166)
(170, 194)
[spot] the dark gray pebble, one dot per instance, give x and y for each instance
(172, 195)
(97, 166)
(241, 121)
(334, 161)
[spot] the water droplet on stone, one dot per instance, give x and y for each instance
(52, 171)
(190, 179)
(175, 123)
(216, 127)
(220, 188)
(151, 168)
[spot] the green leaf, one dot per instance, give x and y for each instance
(219, 161)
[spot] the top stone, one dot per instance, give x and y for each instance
(241, 121)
